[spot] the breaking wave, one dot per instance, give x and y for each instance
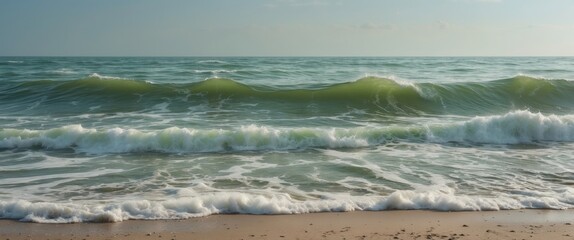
(381, 94)
(245, 203)
(517, 127)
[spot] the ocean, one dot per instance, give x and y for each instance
(109, 139)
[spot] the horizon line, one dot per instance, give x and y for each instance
(291, 56)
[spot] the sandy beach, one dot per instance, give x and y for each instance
(516, 224)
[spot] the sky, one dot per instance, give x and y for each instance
(287, 28)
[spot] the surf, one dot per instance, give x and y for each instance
(518, 127)
(248, 203)
(373, 94)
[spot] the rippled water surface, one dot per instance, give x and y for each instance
(112, 139)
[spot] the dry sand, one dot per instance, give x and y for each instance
(517, 224)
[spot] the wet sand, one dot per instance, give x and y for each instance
(515, 224)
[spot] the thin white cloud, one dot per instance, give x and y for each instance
(443, 25)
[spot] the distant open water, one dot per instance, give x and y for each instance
(110, 139)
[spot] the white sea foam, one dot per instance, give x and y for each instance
(96, 75)
(427, 94)
(234, 202)
(511, 128)
(215, 71)
(178, 139)
(212, 61)
(65, 71)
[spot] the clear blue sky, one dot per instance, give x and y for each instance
(287, 27)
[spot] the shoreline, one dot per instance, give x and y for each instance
(399, 224)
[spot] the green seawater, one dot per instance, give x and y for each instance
(92, 139)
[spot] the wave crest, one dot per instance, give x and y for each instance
(512, 128)
(370, 93)
(243, 203)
